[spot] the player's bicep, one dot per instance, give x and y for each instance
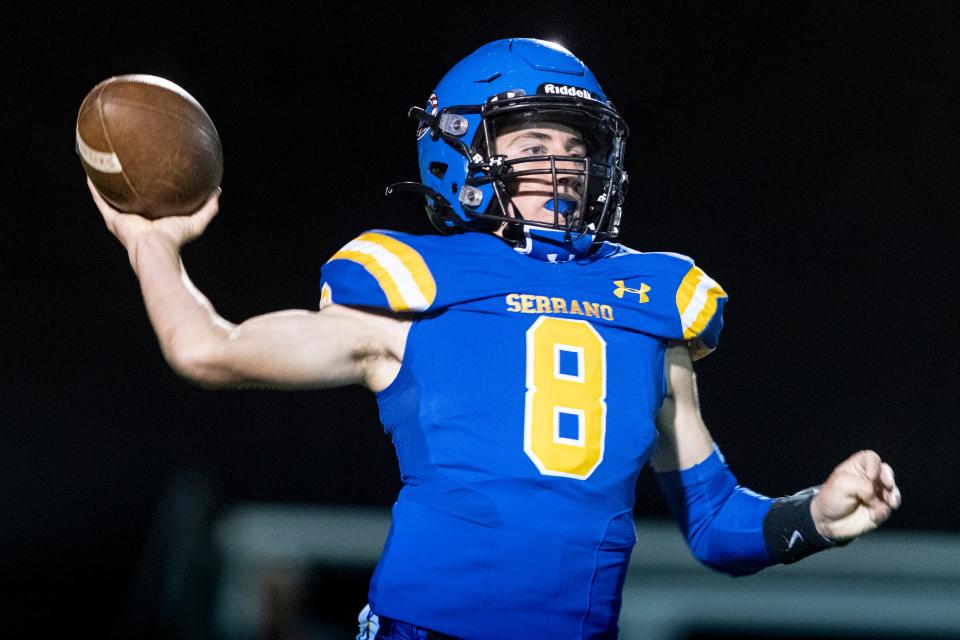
(292, 349)
(684, 440)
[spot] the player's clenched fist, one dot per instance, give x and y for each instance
(859, 496)
(177, 230)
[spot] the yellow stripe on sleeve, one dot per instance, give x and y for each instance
(697, 298)
(368, 262)
(687, 287)
(412, 260)
(399, 270)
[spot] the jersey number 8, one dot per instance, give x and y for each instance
(565, 417)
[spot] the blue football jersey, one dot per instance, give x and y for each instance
(521, 415)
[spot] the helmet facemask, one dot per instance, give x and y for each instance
(593, 183)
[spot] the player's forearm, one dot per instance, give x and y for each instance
(722, 521)
(185, 322)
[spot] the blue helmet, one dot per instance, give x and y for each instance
(507, 83)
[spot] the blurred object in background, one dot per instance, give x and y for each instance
(170, 595)
(302, 571)
(892, 585)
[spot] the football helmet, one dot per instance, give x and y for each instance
(504, 85)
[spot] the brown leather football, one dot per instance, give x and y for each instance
(148, 146)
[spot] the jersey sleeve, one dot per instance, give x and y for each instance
(378, 269)
(700, 302)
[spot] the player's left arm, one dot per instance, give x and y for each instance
(684, 440)
(733, 529)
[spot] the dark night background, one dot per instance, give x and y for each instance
(805, 154)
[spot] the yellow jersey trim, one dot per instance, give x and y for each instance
(400, 271)
(697, 298)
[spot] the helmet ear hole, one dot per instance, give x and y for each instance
(438, 169)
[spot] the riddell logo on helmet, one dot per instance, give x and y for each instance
(563, 90)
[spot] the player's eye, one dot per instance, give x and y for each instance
(536, 150)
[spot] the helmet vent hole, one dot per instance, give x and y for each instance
(454, 188)
(438, 169)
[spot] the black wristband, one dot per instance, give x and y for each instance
(789, 531)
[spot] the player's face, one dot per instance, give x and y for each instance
(533, 195)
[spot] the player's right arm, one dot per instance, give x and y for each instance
(287, 349)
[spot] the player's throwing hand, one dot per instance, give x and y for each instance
(178, 230)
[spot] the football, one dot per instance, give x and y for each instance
(148, 147)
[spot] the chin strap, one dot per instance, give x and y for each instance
(553, 245)
(440, 214)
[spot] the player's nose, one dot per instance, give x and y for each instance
(570, 185)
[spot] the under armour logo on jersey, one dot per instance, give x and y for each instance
(641, 292)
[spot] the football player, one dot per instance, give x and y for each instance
(526, 367)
